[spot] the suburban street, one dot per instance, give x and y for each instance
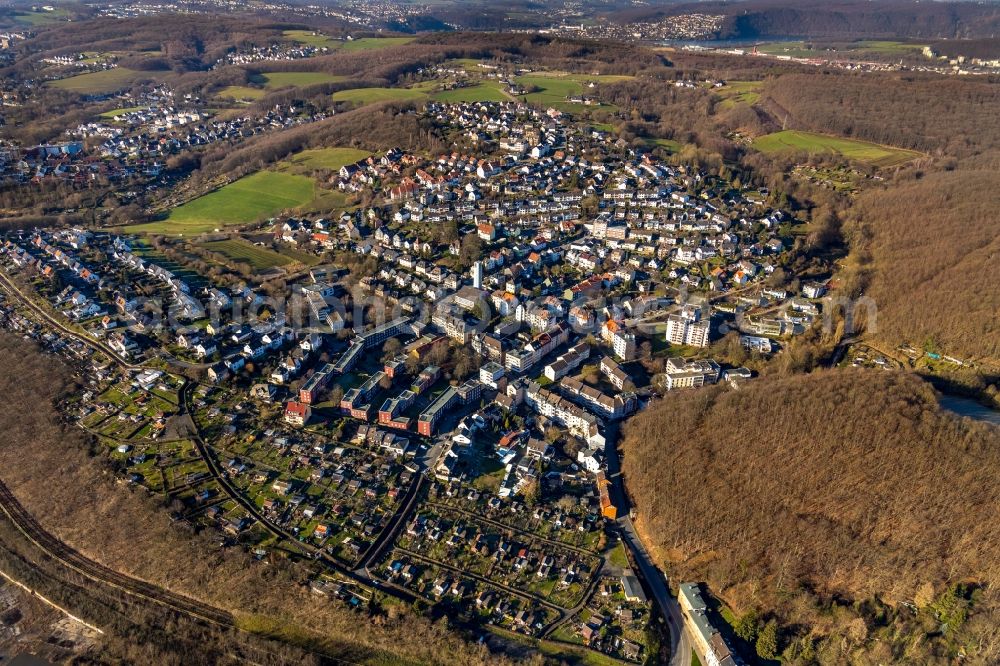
(679, 640)
(680, 643)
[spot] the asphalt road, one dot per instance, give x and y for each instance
(680, 642)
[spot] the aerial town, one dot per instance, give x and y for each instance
(441, 422)
(615, 333)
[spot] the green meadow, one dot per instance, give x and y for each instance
(373, 95)
(238, 250)
(310, 38)
(326, 158)
(275, 80)
(240, 92)
(483, 92)
(95, 83)
(248, 199)
(555, 89)
(862, 151)
(114, 113)
(739, 92)
(370, 43)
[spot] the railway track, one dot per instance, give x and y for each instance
(65, 554)
(8, 285)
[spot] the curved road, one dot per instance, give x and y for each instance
(680, 641)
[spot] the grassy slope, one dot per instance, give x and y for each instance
(372, 95)
(107, 80)
(259, 258)
(739, 92)
(556, 88)
(863, 151)
(246, 200)
(327, 158)
(370, 43)
(241, 92)
(275, 80)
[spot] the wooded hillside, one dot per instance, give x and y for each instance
(939, 116)
(927, 250)
(830, 500)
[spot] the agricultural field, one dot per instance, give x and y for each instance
(555, 89)
(310, 38)
(370, 43)
(241, 251)
(739, 92)
(483, 92)
(104, 81)
(325, 158)
(240, 93)
(862, 151)
(275, 80)
(248, 199)
(373, 95)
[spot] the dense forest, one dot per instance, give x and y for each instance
(925, 251)
(60, 478)
(845, 505)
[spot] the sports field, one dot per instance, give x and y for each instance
(372, 95)
(238, 250)
(248, 199)
(862, 151)
(95, 83)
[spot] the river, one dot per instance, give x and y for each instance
(970, 408)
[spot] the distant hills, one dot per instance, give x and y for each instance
(839, 19)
